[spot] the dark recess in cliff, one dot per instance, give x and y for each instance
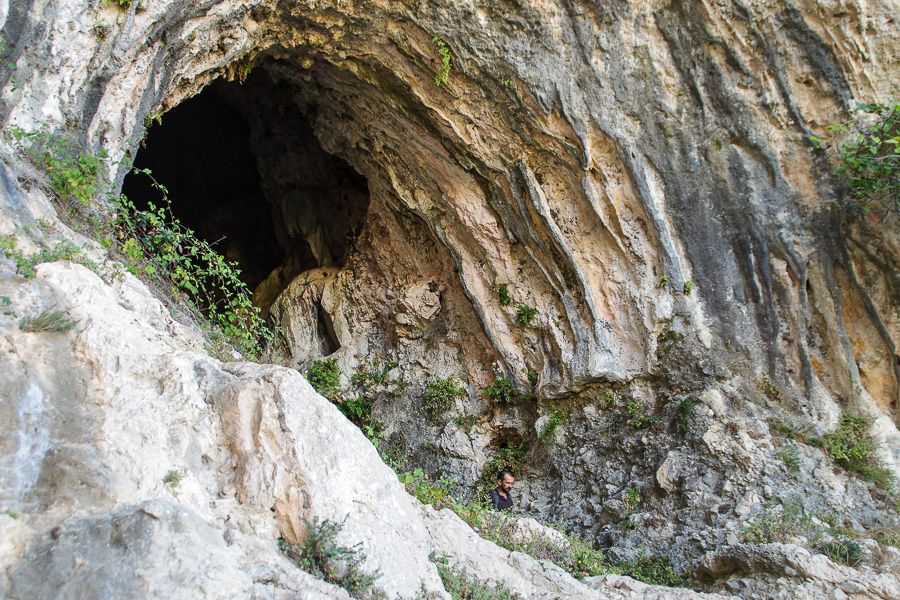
(245, 171)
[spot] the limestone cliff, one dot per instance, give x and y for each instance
(639, 173)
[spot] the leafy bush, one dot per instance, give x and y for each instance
(321, 556)
(325, 376)
(502, 291)
(501, 391)
(637, 414)
(688, 287)
(73, 175)
(359, 411)
(851, 446)
(466, 422)
(524, 315)
(655, 570)
(156, 244)
(869, 149)
(435, 493)
(49, 319)
(443, 75)
(439, 396)
(463, 586)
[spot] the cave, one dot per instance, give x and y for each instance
(245, 171)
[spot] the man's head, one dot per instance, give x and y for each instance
(505, 480)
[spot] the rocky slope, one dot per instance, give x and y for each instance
(597, 161)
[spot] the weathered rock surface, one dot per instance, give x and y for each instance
(592, 158)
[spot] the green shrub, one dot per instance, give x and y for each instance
(463, 586)
(49, 320)
(501, 391)
(439, 396)
(466, 422)
(524, 315)
(442, 77)
(156, 244)
(790, 456)
(663, 281)
(435, 493)
(637, 414)
(843, 550)
(655, 570)
(325, 376)
(502, 292)
(683, 413)
(851, 446)
(557, 418)
(172, 478)
(869, 151)
(359, 411)
(372, 375)
(532, 378)
(779, 524)
(321, 556)
(73, 174)
(688, 287)
(62, 250)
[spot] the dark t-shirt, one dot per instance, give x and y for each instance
(499, 502)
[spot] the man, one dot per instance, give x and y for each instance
(501, 496)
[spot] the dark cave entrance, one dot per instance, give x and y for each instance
(245, 171)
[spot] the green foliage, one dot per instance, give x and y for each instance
(172, 478)
(683, 413)
(463, 586)
(372, 375)
(10, 513)
(325, 376)
(439, 396)
(157, 245)
(49, 319)
(524, 315)
(851, 446)
(768, 387)
(322, 556)
(688, 287)
(151, 118)
(466, 422)
(359, 411)
(25, 265)
(436, 493)
(73, 175)
(655, 570)
(779, 524)
(843, 550)
(442, 77)
(532, 378)
(631, 499)
(503, 294)
(663, 281)
(637, 414)
(869, 150)
(557, 418)
(790, 456)
(501, 391)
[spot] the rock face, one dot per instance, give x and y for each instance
(639, 173)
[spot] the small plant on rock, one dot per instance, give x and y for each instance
(768, 387)
(322, 556)
(440, 395)
(843, 550)
(663, 281)
(524, 315)
(503, 296)
(790, 456)
(683, 413)
(637, 414)
(851, 446)
(501, 391)
(172, 478)
(325, 376)
(461, 585)
(557, 418)
(443, 75)
(688, 287)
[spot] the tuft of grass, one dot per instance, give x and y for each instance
(439, 396)
(325, 376)
(688, 287)
(637, 414)
(50, 320)
(466, 422)
(172, 478)
(683, 413)
(843, 550)
(26, 264)
(768, 387)
(790, 456)
(501, 391)
(663, 281)
(322, 556)
(524, 315)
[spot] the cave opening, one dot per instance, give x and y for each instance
(246, 172)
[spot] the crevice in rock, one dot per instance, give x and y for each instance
(245, 171)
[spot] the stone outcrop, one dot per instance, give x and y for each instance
(640, 173)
